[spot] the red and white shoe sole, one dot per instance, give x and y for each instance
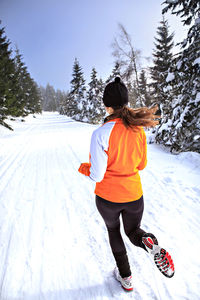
(162, 259)
(164, 263)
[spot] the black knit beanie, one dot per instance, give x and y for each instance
(115, 94)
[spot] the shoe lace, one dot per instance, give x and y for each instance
(128, 280)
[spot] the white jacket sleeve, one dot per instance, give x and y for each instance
(98, 156)
(98, 159)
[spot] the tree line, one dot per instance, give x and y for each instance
(172, 81)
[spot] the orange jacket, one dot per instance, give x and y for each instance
(116, 156)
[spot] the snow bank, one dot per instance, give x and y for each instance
(190, 158)
(54, 244)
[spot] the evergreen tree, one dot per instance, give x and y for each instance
(65, 104)
(26, 92)
(60, 98)
(144, 90)
(52, 100)
(19, 94)
(7, 79)
(94, 99)
(77, 105)
(21, 91)
(33, 103)
(43, 96)
(162, 59)
(183, 124)
(115, 72)
(49, 102)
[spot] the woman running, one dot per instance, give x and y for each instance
(118, 151)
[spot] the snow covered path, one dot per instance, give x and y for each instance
(53, 242)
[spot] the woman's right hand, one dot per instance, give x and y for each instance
(85, 169)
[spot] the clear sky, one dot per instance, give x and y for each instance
(51, 33)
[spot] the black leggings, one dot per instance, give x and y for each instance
(131, 213)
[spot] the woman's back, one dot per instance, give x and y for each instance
(125, 151)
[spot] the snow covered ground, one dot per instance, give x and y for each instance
(53, 242)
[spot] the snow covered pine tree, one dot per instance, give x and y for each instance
(182, 129)
(95, 108)
(162, 59)
(77, 106)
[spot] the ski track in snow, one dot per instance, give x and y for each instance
(53, 242)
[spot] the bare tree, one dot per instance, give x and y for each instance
(127, 57)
